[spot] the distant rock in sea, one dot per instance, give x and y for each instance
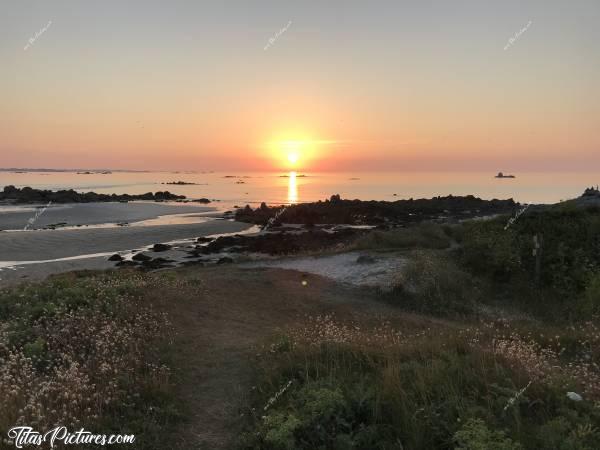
(501, 175)
(180, 183)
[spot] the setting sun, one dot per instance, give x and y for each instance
(292, 149)
(293, 157)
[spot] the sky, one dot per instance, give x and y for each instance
(319, 85)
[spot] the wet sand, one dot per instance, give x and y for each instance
(16, 218)
(46, 245)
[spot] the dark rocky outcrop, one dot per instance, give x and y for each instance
(141, 257)
(279, 243)
(157, 263)
(225, 260)
(365, 259)
(161, 247)
(358, 212)
(29, 195)
(127, 264)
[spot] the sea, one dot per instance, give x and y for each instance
(231, 189)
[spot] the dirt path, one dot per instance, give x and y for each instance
(225, 315)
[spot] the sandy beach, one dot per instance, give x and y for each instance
(26, 255)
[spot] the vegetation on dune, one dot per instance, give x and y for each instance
(433, 283)
(489, 385)
(85, 353)
(453, 268)
(560, 279)
(426, 235)
(334, 385)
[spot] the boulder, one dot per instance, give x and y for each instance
(365, 259)
(141, 257)
(157, 263)
(126, 264)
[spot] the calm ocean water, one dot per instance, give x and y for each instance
(235, 188)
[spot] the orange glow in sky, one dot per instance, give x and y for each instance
(293, 153)
(445, 95)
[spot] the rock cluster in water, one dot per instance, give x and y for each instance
(29, 195)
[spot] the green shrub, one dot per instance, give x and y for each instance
(426, 235)
(437, 390)
(563, 434)
(590, 302)
(433, 283)
(491, 250)
(475, 435)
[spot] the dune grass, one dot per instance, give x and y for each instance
(332, 385)
(425, 236)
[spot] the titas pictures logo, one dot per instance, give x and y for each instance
(26, 436)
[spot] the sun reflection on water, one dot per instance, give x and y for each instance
(292, 188)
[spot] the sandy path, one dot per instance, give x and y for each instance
(381, 271)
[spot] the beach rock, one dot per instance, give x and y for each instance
(204, 239)
(116, 257)
(157, 263)
(161, 247)
(127, 263)
(225, 260)
(141, 257)
(193, 263)
(365, 259)
(280, 243)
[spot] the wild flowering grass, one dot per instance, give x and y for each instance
(82, 353)
(566, 358)
(493, 385)
(320, 329)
